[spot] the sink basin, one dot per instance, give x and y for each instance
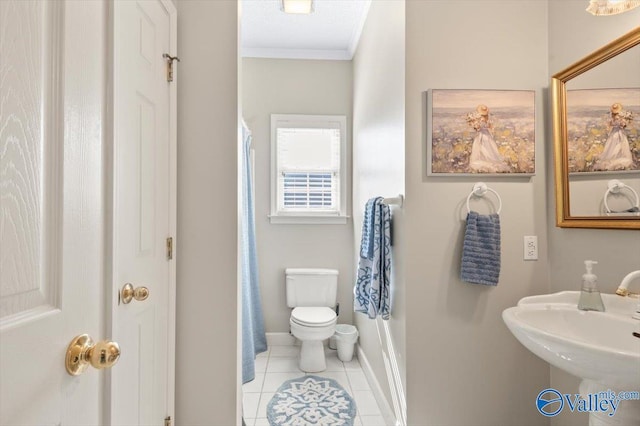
(598, 346)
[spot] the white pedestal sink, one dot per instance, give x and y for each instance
(598, 347)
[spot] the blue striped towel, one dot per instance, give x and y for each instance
(481, 249)
(372, 294)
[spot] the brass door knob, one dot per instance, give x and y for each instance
(82, 352)
(129, 293)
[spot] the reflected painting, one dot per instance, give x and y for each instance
(603, 130)
(481, 132)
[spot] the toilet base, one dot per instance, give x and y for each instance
(312, 356)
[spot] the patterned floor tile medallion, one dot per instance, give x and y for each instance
(311, 400)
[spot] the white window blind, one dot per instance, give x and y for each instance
(305, 190)
(308, 167)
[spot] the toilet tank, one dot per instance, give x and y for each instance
(311, 287)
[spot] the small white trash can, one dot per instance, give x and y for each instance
(346, 337)
(332, 342)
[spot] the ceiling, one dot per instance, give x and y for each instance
(332, 31)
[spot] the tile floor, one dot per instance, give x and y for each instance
(280, 364)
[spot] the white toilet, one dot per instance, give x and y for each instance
(312, 295)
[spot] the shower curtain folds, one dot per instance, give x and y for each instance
(254, 339)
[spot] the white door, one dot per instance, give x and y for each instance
(143, 211)
(52, 105)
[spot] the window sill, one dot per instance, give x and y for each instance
(308, 220)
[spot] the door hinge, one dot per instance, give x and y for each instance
(170, 60)
(167, 421)
(169, 248)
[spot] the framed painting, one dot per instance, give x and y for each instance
(603, 131)
(488, 132)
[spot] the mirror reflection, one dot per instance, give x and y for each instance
(596, 132)
(603, 137)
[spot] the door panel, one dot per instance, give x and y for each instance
(52, 103)
(31, 143)
(147, 176)
(143, 215)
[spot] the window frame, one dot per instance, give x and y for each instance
(311, 217)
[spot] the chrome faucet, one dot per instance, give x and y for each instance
(623, 290)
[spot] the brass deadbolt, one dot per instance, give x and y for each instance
(129, 293)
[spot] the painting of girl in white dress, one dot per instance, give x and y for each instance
(616, 154)
(603, 130)
(484, 151)
(481, 132)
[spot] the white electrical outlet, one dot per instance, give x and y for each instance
(530, 247)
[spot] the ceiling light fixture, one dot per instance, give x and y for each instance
(299, 7)
(611, 7)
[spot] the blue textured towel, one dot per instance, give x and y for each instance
(372, 294)
(366, 245)
(481, 249)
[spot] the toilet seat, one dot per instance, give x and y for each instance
(313, 316)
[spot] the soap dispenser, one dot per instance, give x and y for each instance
(590, 299)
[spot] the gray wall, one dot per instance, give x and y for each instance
(617, 251)
(206, 333)
(283, 86)
(465, 367)
(379, 166)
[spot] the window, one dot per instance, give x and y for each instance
(308, 177)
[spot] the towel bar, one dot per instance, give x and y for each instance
(479, 190)
(614, 186)
(396, 201)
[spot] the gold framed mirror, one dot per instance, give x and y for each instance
(590, 99)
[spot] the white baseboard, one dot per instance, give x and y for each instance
(280, 339)
(385, 409)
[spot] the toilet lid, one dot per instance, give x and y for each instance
(313, 317)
